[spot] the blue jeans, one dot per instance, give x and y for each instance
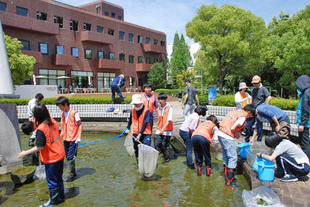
(145, 139)
(287, 165)
(53, 173)
(116, 89)
(201, 150)
(189, 145)
(249, 128)
(71, 149)
(229, 152)
(305, 141)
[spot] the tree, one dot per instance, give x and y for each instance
(156, 77)
(231, 39)
(21, 65)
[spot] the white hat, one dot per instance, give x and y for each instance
(122, 76)
(136, 99)
(242, 85)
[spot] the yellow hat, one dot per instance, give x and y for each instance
(256, 79)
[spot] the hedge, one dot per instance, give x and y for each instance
(285, 104)
(72, 100)
(170, 92)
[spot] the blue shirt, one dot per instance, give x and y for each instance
(118, 81)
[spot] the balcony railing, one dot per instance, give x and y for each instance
(36, 54)
(143, 67)
(87, 36)
(64, 59)
(154, 48)
(28, 23)
(110, 64)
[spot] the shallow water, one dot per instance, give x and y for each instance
(108, 177)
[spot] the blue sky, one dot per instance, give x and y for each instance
(170, 16)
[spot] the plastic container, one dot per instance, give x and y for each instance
(255, 164)
(266, 170)
(243, 148)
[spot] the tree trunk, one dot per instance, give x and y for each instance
(221, 73)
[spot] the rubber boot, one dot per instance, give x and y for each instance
(166, 155)
(72, 171)
(199, 171)
(230, 178)
(55, 198)
(208, 171)
(191, 166)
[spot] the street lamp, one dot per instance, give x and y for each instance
(201, 75)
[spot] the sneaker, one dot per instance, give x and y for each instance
(289, 178)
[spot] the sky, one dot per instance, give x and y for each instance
(171, 16)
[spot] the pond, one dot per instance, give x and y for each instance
(107, 176)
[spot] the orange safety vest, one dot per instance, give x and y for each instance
(53, 151)
(205, 129)
(138, 122)
(69, 130)
(162, 120)
(230, 119)
(148, 103)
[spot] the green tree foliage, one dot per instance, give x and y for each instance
(231, 40)
(156, 77)
(180, 58)
(21, 65)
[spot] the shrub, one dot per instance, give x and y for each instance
(203, 99)
(170, 92)
(228, 100)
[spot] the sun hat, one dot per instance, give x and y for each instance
(122, 76)
(136, 99)
(256, 79)
(242, 85)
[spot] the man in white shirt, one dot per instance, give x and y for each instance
(33, 102)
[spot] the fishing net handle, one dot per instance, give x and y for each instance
(134, 138)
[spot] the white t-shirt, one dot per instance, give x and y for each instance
(240, 122)
(31, 104)
(239, 100)
(76, 116)
(162, 109)
(191, 122)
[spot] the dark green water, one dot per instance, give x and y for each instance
(108, 177)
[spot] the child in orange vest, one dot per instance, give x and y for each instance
(230, 127)
(202, 138)
(71, 130)
(149, 100)
(50, 146)
(164, 129)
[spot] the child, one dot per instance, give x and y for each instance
(149, 100)
(52, 153)
(186, 130)
(164, 126)
(230, 126)
(71, 130)
(202, 138)
(140, 120)
(292, 162)
(29, 127)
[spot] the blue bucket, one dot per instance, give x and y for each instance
(266, 170)
(255, 164)
(243, 148)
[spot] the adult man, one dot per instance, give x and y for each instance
(190, 98)
(33, 102)
(303, 112)
(116, 85)
(278, 119)
(259, 95)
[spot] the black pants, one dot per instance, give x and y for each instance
(201, 150)
(287, 165)
(162, 144)
(305, 141)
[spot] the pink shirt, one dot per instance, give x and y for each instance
(191, 122)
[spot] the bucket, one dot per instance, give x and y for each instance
(266, 170)
(243, 148)
(255, 164)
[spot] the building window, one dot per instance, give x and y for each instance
(73, 25)
(59, 49)
(98, 8)
(21, 11)
(88, 54)
(140, 39)
(130, 37)
(121, 35)
(75, 52)
(58, 20)
(119, 17)
(100, 29)
(122, 57)
(131, 59)
(43, 48)
(111, 55)
(52, 77)
(104, 80)
(113, 14)
(2, 6)
(106, 13)
(111, 31)
(155, 41)
(140, 59)
(100, 54)
(131, 81)
(87, 27)
(155, 60)
(162, 43)
(41, 16)
(26, 44)
(148, 60)
(147, 40)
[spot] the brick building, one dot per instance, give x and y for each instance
(89, 44)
